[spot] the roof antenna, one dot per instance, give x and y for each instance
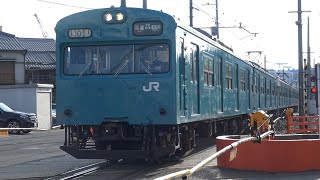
(123, 3)
(145, 4)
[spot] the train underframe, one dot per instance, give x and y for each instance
(153, 142)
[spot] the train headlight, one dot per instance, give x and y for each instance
(108, 17)
(119, 16)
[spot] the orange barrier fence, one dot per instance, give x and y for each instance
(302, 124)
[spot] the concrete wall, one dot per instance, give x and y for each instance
(30, 98)
(18, 57)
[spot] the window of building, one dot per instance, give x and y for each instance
(7, 72)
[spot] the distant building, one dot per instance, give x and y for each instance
(12, 60)
(27, 60)
(289, 76)
(40, 60)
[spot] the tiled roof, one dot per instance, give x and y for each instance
(9, 42)
(37, 44)
(40, 60)
(40, 53)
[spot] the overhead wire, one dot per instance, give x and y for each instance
(200, 9)
(197, 7)
(67, 5)
(213, 18)
(229, 31)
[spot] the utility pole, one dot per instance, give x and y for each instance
(300, 58)
(215, 30)
(123, 3)
(301, 73)
(217, 19)
(145, 4)
(308, 67)
(191, 13)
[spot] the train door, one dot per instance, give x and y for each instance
(194, 88)
(266, 92)
(182, 79)
(249, 90)
(254, 87)
(237, 87)
(259, 91)
(219, 83)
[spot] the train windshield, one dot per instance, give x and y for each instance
(116, 59)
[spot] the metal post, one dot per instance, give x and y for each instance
(278, 96)
(123, 3)
(191, 13)
(217, 19)
(308, 73)
(301, 73)
(145, 4)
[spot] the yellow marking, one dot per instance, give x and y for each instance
(4, 133)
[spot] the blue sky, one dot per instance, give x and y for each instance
(277, 38)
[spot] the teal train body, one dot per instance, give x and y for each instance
(139, 82)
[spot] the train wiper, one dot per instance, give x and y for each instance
(145, 68)
(85, 69)
(122, 66)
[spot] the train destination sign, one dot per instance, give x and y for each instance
(79, 33)
(153, 28)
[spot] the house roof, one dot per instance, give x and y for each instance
(38, 44)
(40, 60)
(9, 42)
(40, 53)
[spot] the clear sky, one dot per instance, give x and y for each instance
(277, 38)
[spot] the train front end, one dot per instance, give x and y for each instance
(116, 84)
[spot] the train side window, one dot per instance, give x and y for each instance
(248, 73)
(273, 89)
(262, 86)
(228, 76)
(254, 89)
(257, 85)
(208, 71)
(242, 80)
(205, 70)
(194, 63)
(219, 71)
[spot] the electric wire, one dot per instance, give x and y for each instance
(221, 24)
(67, 5)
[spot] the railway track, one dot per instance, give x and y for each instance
(82, 171)
(139, 169)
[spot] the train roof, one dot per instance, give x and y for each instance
(92, 14)
(217, 43)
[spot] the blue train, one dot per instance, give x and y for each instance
(138, 83)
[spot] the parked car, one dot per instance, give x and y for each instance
(14, 119)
